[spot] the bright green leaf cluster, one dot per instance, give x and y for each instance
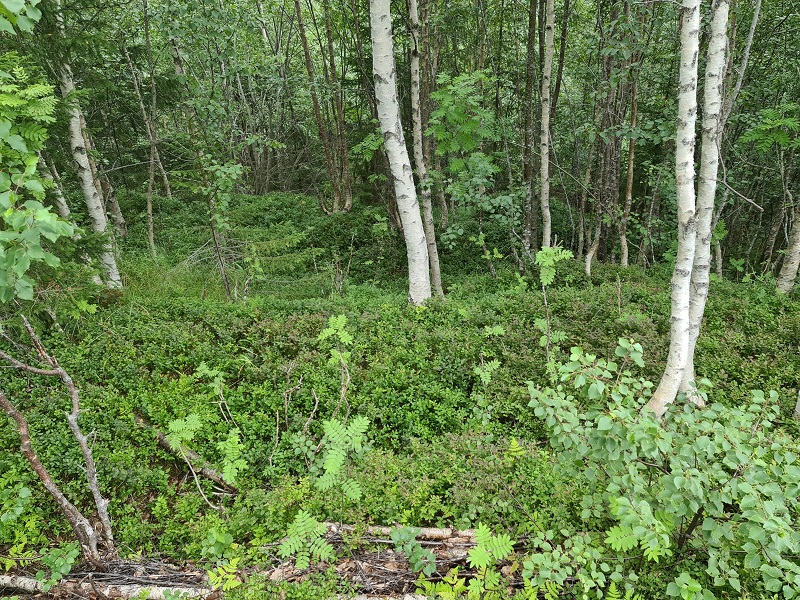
(27, 225)
(305, 541)
(721, 483)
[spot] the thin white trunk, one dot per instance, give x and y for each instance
(91, 195)
(791, 260)
(684, 182)
(419, 283)
(545, 120)
(59, 202)
(797, 407)
(707, 184)
(419, 159)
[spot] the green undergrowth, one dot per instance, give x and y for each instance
(451, 440)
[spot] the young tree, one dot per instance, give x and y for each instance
(544, 143)
(419, 158)
(687, 220)
(693, 264)
(385, 75)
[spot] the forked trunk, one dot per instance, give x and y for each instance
(684, 183)
(707, 185)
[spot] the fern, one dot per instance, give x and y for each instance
(613, 593)
(304, 541)
(515, 450)
(621, 538)
(231, 449)
(339, 440)
(183, 430)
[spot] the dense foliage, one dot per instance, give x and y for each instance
(260, 388)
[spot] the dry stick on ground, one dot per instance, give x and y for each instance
(87, 535)
(206, 470)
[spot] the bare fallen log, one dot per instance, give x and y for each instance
(29, 585)
(430, 534)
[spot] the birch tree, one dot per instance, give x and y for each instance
(687, 219)
(91, 195)
(77, 145)
(385, 76)
(419, 157)
(707, 182)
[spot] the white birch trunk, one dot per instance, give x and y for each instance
(791, 261)
(797, 407)
(94, 202)
(707, 184)
(684, 182)
(419, 283)
(419, 158)
(549, 47)
(59, 201)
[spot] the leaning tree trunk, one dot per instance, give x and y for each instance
(684, 183)
(419, 159)
(791, 261)
(59, 201)
(419, 283)
(94, 202)
(544, 158)
(706, 185)
(530, 215)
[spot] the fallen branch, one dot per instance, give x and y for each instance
(87, 588)
(431, 534)
(206, 470)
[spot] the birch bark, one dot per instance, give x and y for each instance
(383, 67)
(419, 159)
(91, 195)
(684, 182)
(707, 184)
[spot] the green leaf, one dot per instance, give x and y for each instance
(6, 26)
(13, 6)
(16, 141)
(25, 24)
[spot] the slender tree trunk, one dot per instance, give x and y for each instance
(419, 159)
(791, 260)
(59, 201)
(707, 185)
(626, 211)
(341, 137)
(684, 183)
(561, 54)
(323, 128)
(544, 156)
(385, 77)
(101, 182)
(94, 203)
(150, 123)
(529, 215)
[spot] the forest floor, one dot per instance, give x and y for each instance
(319, 331)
